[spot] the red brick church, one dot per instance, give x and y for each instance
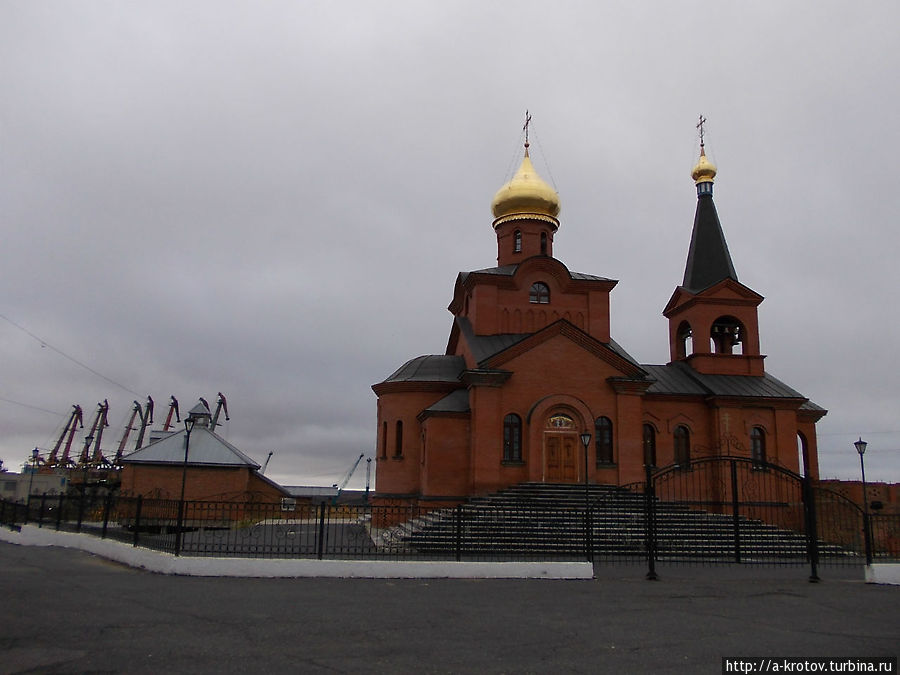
(531, 364)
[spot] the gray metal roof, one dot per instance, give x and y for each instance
(680, 378)
(455, 401)
(429, 368)
(207, 449)
(509, 270)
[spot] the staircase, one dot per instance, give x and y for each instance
(541, 520)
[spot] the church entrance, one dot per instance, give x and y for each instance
(561, 444)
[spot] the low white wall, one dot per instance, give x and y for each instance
(883, 573)
(165, 563)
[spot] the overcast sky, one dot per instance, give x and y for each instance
(272, 200)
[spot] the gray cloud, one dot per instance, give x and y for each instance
(273, 201)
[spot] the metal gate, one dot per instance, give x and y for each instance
(731, 509)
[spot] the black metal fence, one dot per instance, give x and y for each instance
(714, 510)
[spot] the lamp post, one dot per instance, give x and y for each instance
(188, 428)
(588, 526)
(861, 449)
(34, 460)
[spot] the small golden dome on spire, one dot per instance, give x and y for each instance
(526, 196)
(704, 171)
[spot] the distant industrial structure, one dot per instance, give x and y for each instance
(191, 462)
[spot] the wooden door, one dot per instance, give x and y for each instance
(561, 456)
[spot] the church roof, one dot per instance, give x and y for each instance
(455, 401)
(429, 368)
(207, 448)
(510, 270)
(680, 379)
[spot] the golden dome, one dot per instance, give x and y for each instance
(527, 195)
(704, 171)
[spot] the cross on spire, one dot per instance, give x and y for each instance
(525, 127)
(699, 128)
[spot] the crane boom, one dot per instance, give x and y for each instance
(220, 405)
(173, 407)
(71, 425)
(128, 429)
(347, 478)
(146, 420)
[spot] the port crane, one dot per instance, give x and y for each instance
(340, 487)
(68, 433)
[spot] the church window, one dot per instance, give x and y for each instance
(649, 445)
(727, 335)
(540, 293)
(398, 442)
(682, 446)
(603, 435)
(512, 438)
(543, 243)
(684, 342)
(384, 439)
(517, 242)
(758, 446)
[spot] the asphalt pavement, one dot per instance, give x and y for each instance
(65, 611)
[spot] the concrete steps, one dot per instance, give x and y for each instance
(548, 519)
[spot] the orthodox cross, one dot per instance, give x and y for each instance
(525, 128)
(700, 128)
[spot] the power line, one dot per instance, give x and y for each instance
(32, 407)
(44, 343)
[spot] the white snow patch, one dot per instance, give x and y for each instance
(166, 563)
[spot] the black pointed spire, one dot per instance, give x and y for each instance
(708, 261)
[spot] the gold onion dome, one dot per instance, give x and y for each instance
(704, 171)
(526, 196)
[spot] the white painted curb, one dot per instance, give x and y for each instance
(883, 573)
(166, 563)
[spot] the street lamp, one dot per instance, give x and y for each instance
(188, 428)
(861, 449)
(34, 461)
(588, 526)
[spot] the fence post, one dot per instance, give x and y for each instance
(137, 519)
(59, 509)
(650, 522)
(106, 508)
(458, 532)
(80, 510)
(41, 511)
(2, 511)
(320, 543)
(812, 535)
(735, 514)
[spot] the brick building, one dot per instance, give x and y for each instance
(216, 470)
(531, 364)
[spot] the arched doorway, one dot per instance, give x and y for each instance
(561, 447)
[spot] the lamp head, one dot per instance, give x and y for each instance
(861, 446)
(585, 439)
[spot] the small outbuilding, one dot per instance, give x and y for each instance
(211, 467)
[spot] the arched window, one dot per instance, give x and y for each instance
(603, 439)
(540, 293)
(398, 442)
(543, 243)
(384, 439)
(517, 241)
(512, 438)
(649, 445)
(682, 446)
(684, 342)
(727, 334)
(758, 446)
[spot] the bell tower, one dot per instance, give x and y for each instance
(713, 321)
